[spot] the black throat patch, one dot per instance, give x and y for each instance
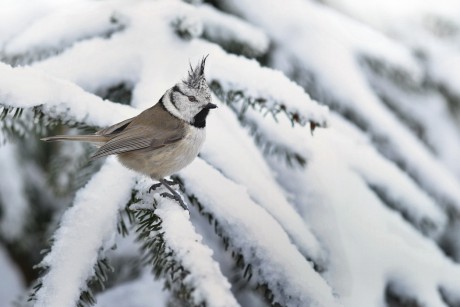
(199, 120)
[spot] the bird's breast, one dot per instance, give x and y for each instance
(167, 160)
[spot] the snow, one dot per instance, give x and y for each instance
(430, 28)
(11, 284)
(138, 66)
(426, 113)
(258, 237)
(228, 30)
(357, 152)
(346, 153)
(346, 85)
(14, 204)
(391, 15)
(25, 87)
(373, 247)
(225, 146)
(323, 28)
(371, 210)
(142, 292)
(397, 187)
(279, 93)
(209, 286)
(16, 15)
(84, 229)
(43, 37)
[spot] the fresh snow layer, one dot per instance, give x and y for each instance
(397, 188)
(226, 30)
(357, 151)
(142, 292)
(378, 247)
(140, 57)
(236, 74)
(84, 229)
(43, 35)
(25, 87)
(426, 112)
(255, 234)
(369, 243)
(17, 15)
(331, 50)
(226, 144)
(429, 28)
(209, 286)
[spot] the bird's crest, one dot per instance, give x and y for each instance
(196, 77)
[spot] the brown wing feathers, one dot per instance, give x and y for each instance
(152, 129)
(132, 139)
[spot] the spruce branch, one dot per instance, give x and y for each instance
(427, 224)
(241, 264)
(237, 97)
(246, 108)
(174, 252)
(233, 35)
(96, 283)
(261, 104)
(79, 253)
(114, 23)
(239, 260)
(249, 236)
(18, 122)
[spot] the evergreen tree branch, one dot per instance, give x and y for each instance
(260, 241)
(84, 230)
(276, 95)
(23, 50)
(273, 136)
(54, 101)
(172, 248)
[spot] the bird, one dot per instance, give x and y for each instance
(162, 139)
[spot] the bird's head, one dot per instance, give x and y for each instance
(190, 100)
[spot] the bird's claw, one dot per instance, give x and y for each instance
(176, 198)
(155, 186)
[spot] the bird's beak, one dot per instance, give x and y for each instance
(210, 106)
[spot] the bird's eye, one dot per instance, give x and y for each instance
(192, 98)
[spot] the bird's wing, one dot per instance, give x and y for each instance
(152, 129)
(138, 139)
(115, 128)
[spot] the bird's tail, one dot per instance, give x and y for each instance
(95, 139)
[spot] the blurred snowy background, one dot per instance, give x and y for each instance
(330, 175)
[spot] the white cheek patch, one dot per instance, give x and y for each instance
(180, 109)
(188, 112)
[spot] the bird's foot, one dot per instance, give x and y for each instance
(175, 197)
(155, 186)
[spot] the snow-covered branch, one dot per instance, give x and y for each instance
(255, 175)
(235, 79)
(364, 213)
(25, 87)
(176, 252)
(86, 228)
(261, 241)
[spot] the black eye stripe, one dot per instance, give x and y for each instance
(171, 98)
(177, 89)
